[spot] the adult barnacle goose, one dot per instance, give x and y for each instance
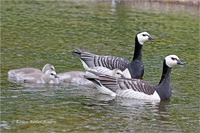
(136, 88)
(133, 69)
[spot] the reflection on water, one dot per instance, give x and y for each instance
(102, 97)
(159, 6)
(135, 102)
(38, 32)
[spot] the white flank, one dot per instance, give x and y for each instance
(129, 93)
(104, 90)
(102, 70)
(126, 73)
(84, 65)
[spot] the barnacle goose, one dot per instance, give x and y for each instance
(133, 69)
(136, 88)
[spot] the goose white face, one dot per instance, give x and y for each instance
(118, 73)
(52, 67)
(172, 60)
(51, 74)
(48, 67)
(143, 37)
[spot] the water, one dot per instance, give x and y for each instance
(38, 32)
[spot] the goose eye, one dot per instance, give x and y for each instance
(143, 34)
(173, 58)
(52, 74)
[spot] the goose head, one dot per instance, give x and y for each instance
(51, 74)
(48, 67)
(118, 73)
(172, 60)
(143, 37)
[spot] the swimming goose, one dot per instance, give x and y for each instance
(103, 70)
(136, 88)
(17, 72)
(49, 77)
(133, 69)
(77, 77)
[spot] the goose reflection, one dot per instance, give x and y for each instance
(159, 107)
(104, 97)
(113, 5)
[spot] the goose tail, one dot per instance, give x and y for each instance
(95, 80)
(77, 52)
(11, 73)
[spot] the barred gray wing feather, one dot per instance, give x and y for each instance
(116, 62)
(109, 82)
(110, 62)
(137, 85)
(103, 70)
(88, 58)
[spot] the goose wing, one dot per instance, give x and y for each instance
(110, 62)
(119, 84)
(99, 69)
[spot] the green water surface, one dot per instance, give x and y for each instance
(34, 33)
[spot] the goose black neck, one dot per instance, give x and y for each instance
(138, 50)
(163, 88)
(136, 67)
(165, 74)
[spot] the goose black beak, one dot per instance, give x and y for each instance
(150, 38)
(122, 76)
(179, 62)
(56, 76)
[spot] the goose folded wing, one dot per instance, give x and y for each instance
(109, 82)
(135, 85)
(113, 62)
(110, 62)
(102, 70)
(88, 58)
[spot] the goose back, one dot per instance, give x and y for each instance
(91, 60)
